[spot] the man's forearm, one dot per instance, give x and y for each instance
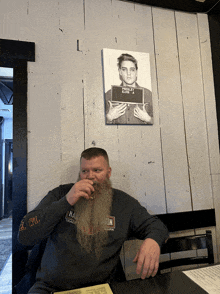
(39, 223)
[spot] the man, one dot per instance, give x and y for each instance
(129, 113)
(86, 224)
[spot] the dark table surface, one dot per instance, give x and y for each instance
(173, 283)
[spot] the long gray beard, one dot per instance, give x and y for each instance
(91, 218)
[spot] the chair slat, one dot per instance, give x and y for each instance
(186, 243)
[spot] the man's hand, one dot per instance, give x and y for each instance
(148, 258)
(116, 111)
(83, 188)
(142, 114)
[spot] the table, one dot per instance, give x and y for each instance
(173, 283)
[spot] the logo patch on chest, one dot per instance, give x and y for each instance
(70, 217)
(111, 223)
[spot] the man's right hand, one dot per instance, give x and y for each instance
(115, 111)
(83, 188)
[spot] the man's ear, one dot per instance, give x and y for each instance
(79, 178)
(109, 172)
(119, 75)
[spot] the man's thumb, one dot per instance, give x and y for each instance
(136, 258)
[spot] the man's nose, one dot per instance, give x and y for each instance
(90, 175)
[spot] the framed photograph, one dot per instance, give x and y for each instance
(127, 87)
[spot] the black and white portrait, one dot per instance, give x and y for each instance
(127, 87)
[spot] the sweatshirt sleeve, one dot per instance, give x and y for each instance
(40, 222)
(143, 225)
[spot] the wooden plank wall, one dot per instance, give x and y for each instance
(173, 154)
(171, 111)
(135, 151)
(171, 166)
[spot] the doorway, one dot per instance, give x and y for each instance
(6, 141)
(16, 54)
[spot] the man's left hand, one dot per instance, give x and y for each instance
(147, 258)
(142, 114)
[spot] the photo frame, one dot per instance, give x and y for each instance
(127, 87)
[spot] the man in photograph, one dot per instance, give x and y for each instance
(129, 112)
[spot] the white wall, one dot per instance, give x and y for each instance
(170, 166)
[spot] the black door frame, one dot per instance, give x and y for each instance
(16, 54)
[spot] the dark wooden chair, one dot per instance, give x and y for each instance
(186, 243)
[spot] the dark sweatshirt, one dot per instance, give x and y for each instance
(65, 265)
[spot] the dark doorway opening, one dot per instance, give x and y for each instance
(6, 136)
(16, 55)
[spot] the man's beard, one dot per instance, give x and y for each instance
(91, 218)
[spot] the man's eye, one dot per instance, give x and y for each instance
(83, 171)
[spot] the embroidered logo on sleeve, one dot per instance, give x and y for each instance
(22, 227)
(33, 221)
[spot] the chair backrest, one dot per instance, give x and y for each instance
(30, 270)
(181, 244)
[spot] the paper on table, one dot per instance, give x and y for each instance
(207, 278)
(99, 289)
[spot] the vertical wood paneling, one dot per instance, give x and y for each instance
(211, 120)
(98, 34)
(135, 152)
(44, 95)
(145, 42)
(171, 112)
(124, 16)
(71, 20)
(216, 189)
(13, 15)
(194, 110)
(209, 92)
